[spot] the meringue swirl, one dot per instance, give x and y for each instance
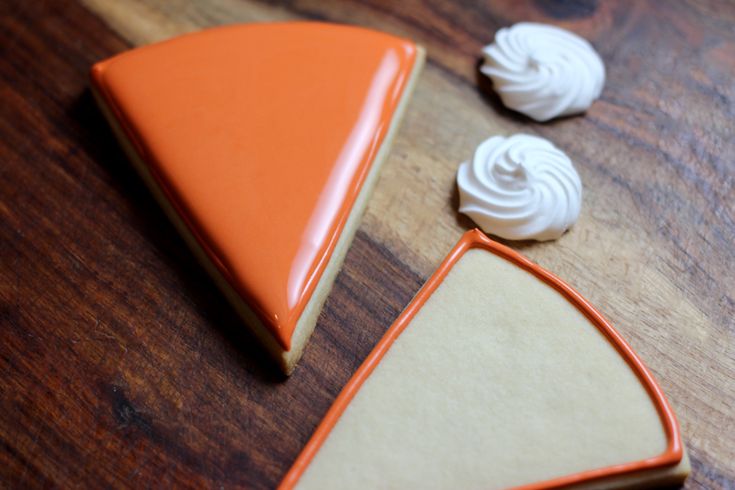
(520, 187)
(543, 71)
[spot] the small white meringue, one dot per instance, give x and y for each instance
(543, 71)
(520, 187)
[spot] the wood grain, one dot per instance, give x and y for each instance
(122, 366)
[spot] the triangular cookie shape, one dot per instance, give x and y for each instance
(498, 375)
(262, 143)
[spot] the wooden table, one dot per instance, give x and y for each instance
(122, 366)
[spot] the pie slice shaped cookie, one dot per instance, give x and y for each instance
(498, 375)
(262, 143)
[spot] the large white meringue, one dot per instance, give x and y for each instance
(520, 187)
(543, 71)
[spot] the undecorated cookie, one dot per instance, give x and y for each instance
(497, 375)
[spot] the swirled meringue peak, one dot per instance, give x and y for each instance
(543, 71)
(521, 187)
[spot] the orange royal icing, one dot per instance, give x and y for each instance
(476, 239)
(261, 136)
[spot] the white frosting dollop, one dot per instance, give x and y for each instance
(543, 71)
(520, 187)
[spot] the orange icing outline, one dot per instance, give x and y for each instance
(476, 239)
(282, 330)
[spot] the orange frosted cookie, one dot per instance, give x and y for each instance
(262, 143)
(498, 375)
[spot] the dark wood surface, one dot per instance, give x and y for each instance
(122, 366)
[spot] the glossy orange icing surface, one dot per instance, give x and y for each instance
(476, 239)
(261, 136)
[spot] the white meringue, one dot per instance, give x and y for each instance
(520, 187)
(543, 71)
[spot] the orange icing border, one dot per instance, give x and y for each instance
(476, 239)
